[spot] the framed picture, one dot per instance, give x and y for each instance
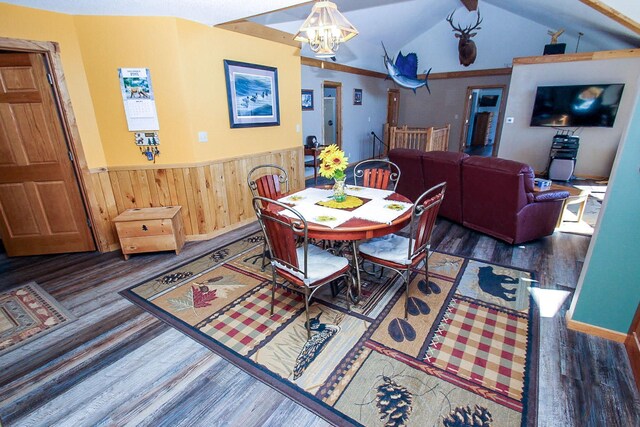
(357, 97)
(252, 94)
(307, 100)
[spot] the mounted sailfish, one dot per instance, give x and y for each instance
(404, 71)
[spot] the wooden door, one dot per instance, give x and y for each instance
(393, 106)
(632, 344)
(41, 208)
(329, 121)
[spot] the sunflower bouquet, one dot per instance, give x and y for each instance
(333, 162)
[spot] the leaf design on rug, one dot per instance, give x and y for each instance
(428, 288)
(183, 303)
(314, 346)
(399, 330)
(416, 306)
(463, 417)
(394, 403)
(202, 296)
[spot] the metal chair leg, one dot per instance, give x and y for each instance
(273, 288)
(306, 309)
(406, 293)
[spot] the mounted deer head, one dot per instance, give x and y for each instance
(466, 47)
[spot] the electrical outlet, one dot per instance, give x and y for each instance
(510, 120)
(203, 137)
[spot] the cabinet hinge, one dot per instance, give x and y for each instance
(50, 78)
(70, 155)
(89, 223)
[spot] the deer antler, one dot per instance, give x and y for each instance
(469, 28)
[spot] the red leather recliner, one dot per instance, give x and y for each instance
(444, 166)
(498, 199)
(490, 195)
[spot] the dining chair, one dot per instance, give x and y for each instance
(293, 258)
(376, 173)
(264, 182)
(401, 254)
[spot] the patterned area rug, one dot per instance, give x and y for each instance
(464, 357)
(28, 312)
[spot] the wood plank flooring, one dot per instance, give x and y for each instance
(117, 365)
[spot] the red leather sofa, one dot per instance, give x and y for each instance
(487, 194)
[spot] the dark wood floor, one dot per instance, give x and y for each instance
(117, 365)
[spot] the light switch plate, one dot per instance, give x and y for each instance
(203, 137)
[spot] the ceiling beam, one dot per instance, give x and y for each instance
(256, 30)
(471, 5)
(313, 62)
(611, 13)
(582, 56)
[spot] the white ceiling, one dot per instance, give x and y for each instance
(401, 24)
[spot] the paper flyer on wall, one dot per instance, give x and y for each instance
(138, 99)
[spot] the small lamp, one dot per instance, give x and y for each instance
(325, 29)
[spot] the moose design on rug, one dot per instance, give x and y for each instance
(493, 283)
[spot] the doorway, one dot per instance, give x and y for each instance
(332, 113)
(42, 208)
(482, 121)
(393, 111)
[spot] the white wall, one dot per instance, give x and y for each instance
(444, 105)
(358, 121)
(598, 146)
(438, 47)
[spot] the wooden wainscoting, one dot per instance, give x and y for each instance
(214, 196)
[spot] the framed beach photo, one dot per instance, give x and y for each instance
(357, 97)
(252, 94)
(307, 99)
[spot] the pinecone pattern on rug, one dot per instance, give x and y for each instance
(463, 417)
(394, 403)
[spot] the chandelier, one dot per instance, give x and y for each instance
(325, 29)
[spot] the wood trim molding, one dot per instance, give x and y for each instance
(261, 31)
(632, 344)
(214, 197)
(597, 331)
(611, 13)
(470, 73)
(313, 62)
(583, 56)
(51, 51)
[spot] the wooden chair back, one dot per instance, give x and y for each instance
(380, 174)
(423, 218)
(264, 183)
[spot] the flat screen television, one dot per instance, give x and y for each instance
(577, 105)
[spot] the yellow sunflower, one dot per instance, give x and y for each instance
(327, 151)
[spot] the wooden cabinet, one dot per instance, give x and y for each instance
(150, 230)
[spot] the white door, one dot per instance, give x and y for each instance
(329, 121)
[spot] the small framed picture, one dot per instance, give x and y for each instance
(357, 97)
(307, 99)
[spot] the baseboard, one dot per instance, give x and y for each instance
(597, 331)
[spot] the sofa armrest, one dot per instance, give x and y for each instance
(548, 196)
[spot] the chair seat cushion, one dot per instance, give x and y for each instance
(392, 248)
(320, 264)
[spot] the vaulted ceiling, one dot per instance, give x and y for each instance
(510, 28)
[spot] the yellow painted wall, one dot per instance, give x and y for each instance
(187, 73)
(32, 24)
(186, 64)
(206, 88)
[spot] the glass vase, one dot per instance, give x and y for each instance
(338, 190)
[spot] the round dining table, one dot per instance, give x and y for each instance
(356, 229)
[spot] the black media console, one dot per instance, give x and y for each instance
(562, 156)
